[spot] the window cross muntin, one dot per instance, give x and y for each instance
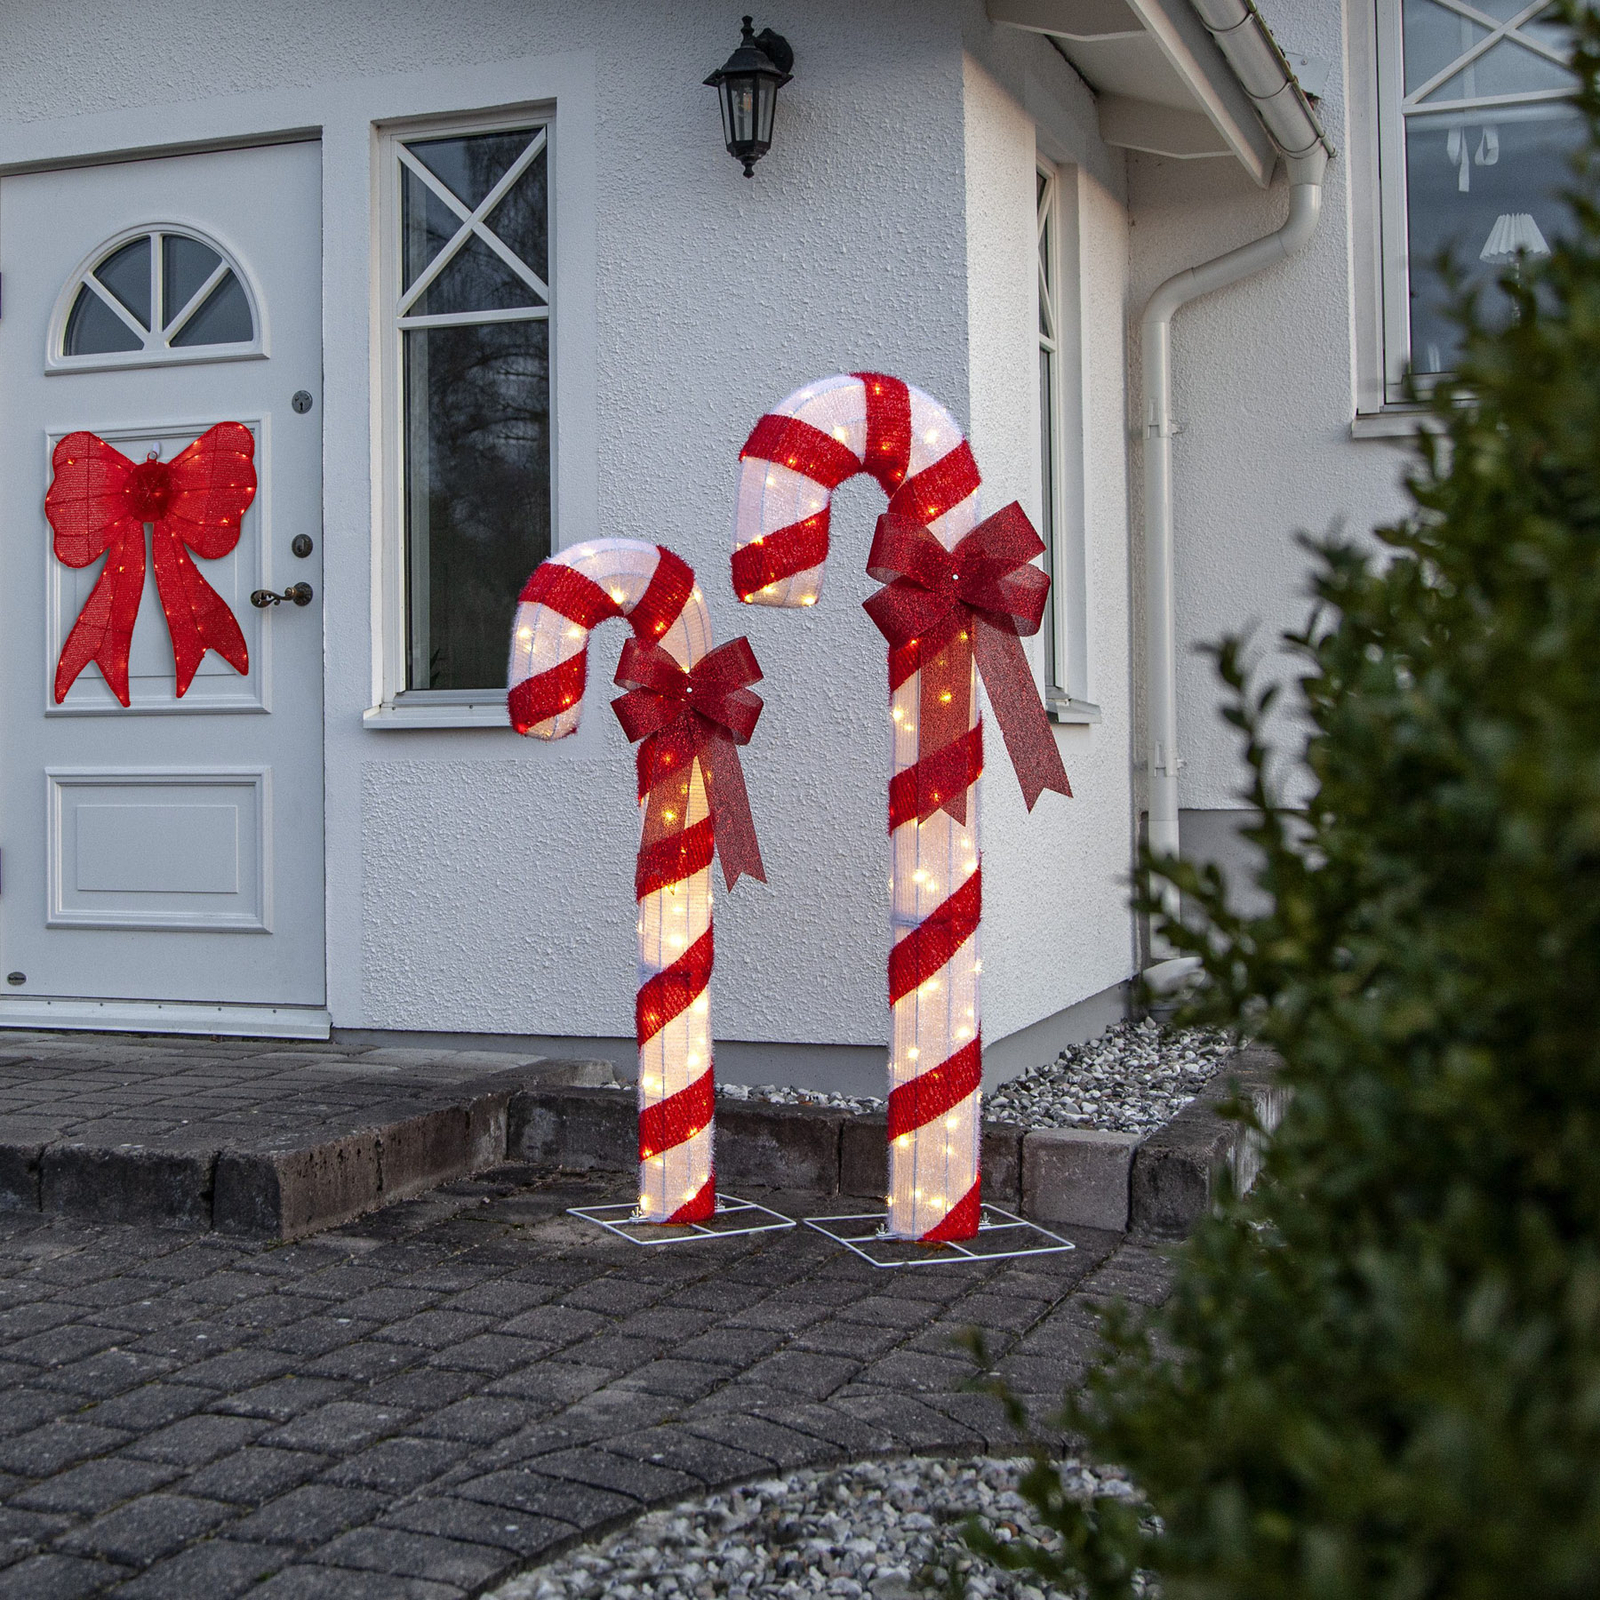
(473, 221)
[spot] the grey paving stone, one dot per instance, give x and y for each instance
(515, 1531)
(96, 1485)
(23, 1532)
(494, 1353)
(435, 1330)
(143, 1530)
(254, 1475)
(309, 1516)
(56, 1347)
(234, 1369)
(340, 1427)
(111, 1372)
(854, 1340)
(365, 1361)
(152, 1405)
(519, 1489)
(635, 1477)
(797, 1372)
(317, 1336)
(397, 1466)
(557, 1325)
(283, 1398)
(683, 1380)
(555, 1382)
(730, 1347)
(917, 1370)
(214, 1569)
(500, 1299)
(402, 1553)
(705, 1459)
(196, 1440)
(56, 1577)
(423, 1389)
(340, 1583)
(479, 1420)
(48, 1449)
(28, 1408)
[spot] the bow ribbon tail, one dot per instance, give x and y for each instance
(732, 825)
(103, 632)
(944, 707)
(1019, 711)
(198, 618)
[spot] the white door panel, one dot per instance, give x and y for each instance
(171, 850)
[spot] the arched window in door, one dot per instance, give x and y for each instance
(151, 296)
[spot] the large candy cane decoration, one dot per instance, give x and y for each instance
(958, 592)
(690, 705)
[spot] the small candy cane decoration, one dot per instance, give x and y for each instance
(688, 705)
(957, 593)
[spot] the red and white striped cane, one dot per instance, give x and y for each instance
(689, 705)
(958, 592)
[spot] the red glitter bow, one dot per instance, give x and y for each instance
(939, 609)
(683, 716)
(98, 504)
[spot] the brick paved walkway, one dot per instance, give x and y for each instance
(418, 1404)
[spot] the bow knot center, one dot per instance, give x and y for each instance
(149, 490)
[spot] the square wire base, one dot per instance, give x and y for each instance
(733, 1219)
(1000, 1237)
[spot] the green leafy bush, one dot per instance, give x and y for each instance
(1379, 1374)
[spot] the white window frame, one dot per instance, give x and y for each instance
(1059, 323)
(398, 704)
(156, 349)
(1380, 242)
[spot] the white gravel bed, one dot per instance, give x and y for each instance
(1133, 1078)
(876, 1530)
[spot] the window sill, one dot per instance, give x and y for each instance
(1065, 710)
(397, 715)
(1394, 422)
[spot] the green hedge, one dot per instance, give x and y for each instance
(1379, 1375)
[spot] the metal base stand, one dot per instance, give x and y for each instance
(1000, 1237)
(733, 1219)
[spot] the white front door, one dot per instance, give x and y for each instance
(169, 850)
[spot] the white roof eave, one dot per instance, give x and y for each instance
(1160, 79)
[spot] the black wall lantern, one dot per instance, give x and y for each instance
(747, 85)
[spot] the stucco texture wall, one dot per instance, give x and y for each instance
(1264, 391)
(1055, 881)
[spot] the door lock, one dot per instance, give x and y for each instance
(299, 593)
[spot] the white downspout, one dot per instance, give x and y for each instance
(1255, 57)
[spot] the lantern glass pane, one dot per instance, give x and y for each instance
(740, 95)
(766, 105)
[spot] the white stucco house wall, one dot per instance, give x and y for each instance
(249, 212)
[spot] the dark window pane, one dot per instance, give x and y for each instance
(126, 273)
(427, 225)
(521, 220)
(185, 265)
(1462, 178)
(224, 318)
(477, 493)
(470, 167)
(474, 279)
(94, 329)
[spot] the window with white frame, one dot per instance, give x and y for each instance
(1476, 133)
(468, 238)
(1061, 523)
(1049, 392)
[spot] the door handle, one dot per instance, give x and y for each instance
(300, 593)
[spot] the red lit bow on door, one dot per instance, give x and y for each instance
(98, 504)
